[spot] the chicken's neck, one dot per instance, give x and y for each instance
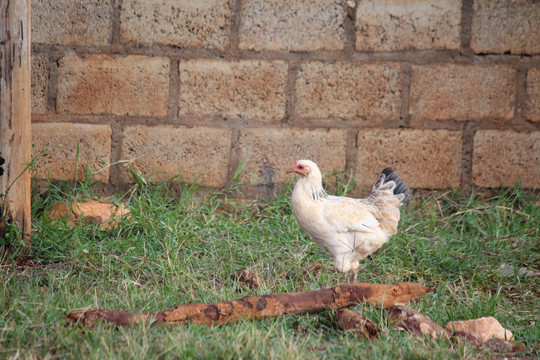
(310, 187)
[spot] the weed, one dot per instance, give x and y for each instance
(177, 248)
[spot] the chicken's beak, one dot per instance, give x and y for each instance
(291, 170)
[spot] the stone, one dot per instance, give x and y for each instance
(462, 92)
(422, 158)
(349, 90)
(269, 153)
(196, 154)
(247, 89)
(179, 23)
(394, 25)
(415, 322)
(501, 157)
(292, 25)
(72, 22)
(40, 83)
(482, 329)
(101, 85)
(532, 84)
(506, 26)
(249, 278)
(509, 270)
(350, 321)
(64, 150)
(107, 215)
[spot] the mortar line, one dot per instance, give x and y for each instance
(466, 28)
(174, 90)
(115, 31)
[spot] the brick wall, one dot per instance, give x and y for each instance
(445, 91)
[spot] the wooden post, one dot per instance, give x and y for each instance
(15, 121)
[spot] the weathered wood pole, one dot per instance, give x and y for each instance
(15, 121)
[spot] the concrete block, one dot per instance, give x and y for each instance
(64, 151)
(269, 153)
(40, 83)
(394, 25)
(462, 92)
(248, 89)
(532, 108)
(196, 154)
(501, 157)
(506, 26)
(99, 84)
(422, 158)
(72, 22)
(179, 23)
(292, 25)
(349, 90)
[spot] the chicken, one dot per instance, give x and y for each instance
(349, 229)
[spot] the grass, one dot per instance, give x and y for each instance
(178, 249)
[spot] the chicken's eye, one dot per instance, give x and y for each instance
(300, 167)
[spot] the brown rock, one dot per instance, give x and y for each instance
(462, 92)
(251, 279)
(415, 322)
(248, 89)
(93, 212)
(349, 90)
(100, 84)
(351, 321)
(422, 158)
(291, 24)
(311, 269)
(502, 157)
(393, 25)
(481, 329)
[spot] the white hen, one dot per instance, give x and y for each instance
(349, 229)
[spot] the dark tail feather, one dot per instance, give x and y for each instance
(391, 175)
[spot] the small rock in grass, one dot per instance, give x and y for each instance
(509, 270)
(415, 322)
(351, 321)
(482, 329)
(94, 212)
(251, 279)
(312, 269)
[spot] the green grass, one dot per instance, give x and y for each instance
(177, 249)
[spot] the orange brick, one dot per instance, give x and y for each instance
(64, 150)
(422, 158)
(502, 157)
(99, 84)
(462, 92)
